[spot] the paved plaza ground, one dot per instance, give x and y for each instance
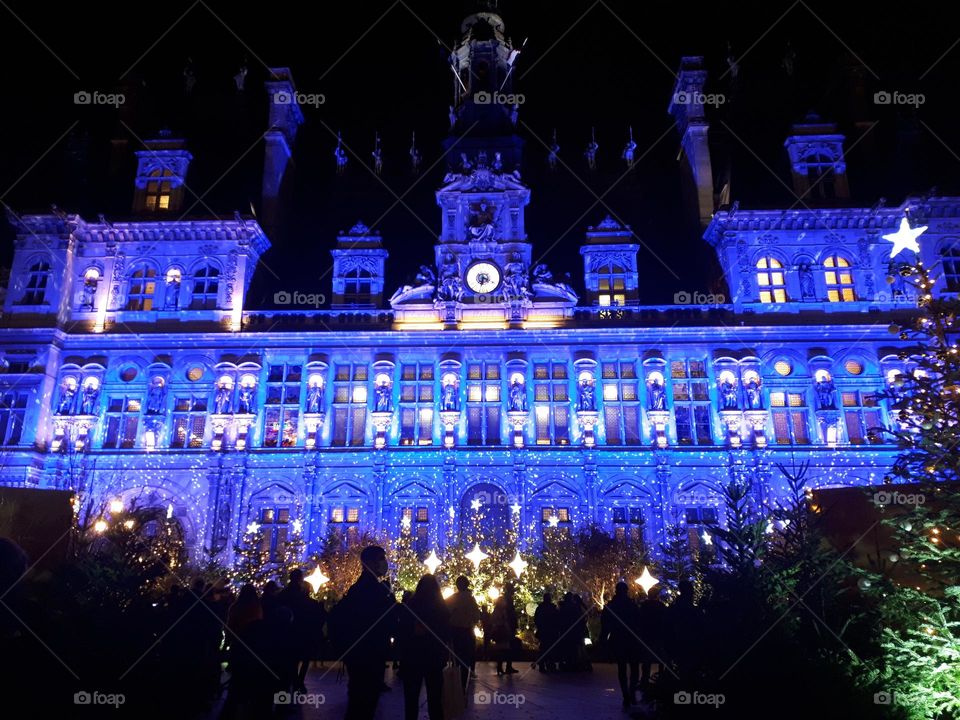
(524, 696)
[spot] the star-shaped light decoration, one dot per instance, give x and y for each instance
(905, 238)
(553, 521)
(518, 564)
(475, 504)
(297, 525)
(516, 508)
(432, 562)
(253, 528)
(707, 538)
(646, 580)
(405, 522)
(316, 579)
(476, 556)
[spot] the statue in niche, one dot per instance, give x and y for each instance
(172, 295)
(587, 396)
(88, 294)
(629, 149)
(657, 397)
(825, 394)
(591, 152)
(515, 278)
(451, 284)
(314, 398)
(754, 398)
(482, 225)
(222, 400)
(448, 401)
(68, 396)
(728, 395)
(245, 399)
(382, 393)
(553, 157)
(807, 288)
(518, 396)
(156, 396)
(91, 393)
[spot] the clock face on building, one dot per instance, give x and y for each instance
(483, 277)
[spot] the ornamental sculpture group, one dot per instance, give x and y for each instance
(730, 397)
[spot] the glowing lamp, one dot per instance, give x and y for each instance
(100, 526)
(116, 505)
(447, 592)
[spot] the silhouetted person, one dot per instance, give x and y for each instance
(619, 625)
(268, 597)
(503, 627)
(244, 610)
(360, 626)
(686, 631)
(547, 621)
(464, 616)
(424, 625)
(571, 632)
(308, 619)
(653, 634)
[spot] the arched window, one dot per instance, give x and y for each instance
(158, 190)
(357, 286)
(839, 279)
(37, 278)
(611, 284)
(951, 267)
(143, 284)
(206, 281)
(773, 288)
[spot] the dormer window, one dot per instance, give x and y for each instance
(38, 276)
(159, 187)
(611, 285)
(206, 282)
(839, 279)
(357, 286)
(770, 280)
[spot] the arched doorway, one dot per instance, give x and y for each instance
(485, 514)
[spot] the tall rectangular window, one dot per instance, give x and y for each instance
(621, 406)
(349, 405)
(790, 418)
(483, 403)
(416, 404)
(274, 530)
(628, 523)
(13, 408)
(861, 414)
(189, 421)
(345, 520)
(122, 421)
(691, 402)
(551, 398)
(282, 413)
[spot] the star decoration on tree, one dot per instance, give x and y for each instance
(518, 564)
(432, 562)
(905, 238)
(405, 521)
(707, 538)
(646, 580)
(553, 521)
(253, 528)
(516, 508)
(475, 504)
(297, 525)
(476, 556)
(316, 579)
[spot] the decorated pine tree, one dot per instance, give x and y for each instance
(676, 559)
(251, 563)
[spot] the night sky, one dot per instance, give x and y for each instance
(382, 68)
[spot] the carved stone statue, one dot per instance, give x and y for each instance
(222, 400)
(587, 392)
(245, 400)
(515, 279)
(68, 396)
(807, 288)
(451, 284)
(553, 156)
(541, 274)
(382, 393)
(657, 398)
(629, 150)
(518, 397)
(88, 405)
(482, 223)
(591, 154)
(826, 399)
(88, 294)
(426, 276)
(448, 401)
(728, 395)
(314, 398)
(172, 295)
(155, 398)
(754, 397)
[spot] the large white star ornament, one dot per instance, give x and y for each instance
(432, 562)
(316, 579)
(518, 565)
(253, 528)
(476, 556)
(646, 580)
(475, 504)
(905, 238)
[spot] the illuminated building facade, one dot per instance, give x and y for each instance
(132, 370)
